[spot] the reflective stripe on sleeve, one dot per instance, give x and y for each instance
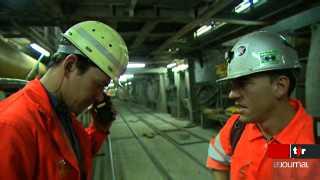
(217, 153)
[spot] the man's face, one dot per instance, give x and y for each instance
(253, 96)
(84, 89)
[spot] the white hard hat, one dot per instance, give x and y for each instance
(258, 52)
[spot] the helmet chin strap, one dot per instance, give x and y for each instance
(58, 93)
(59, 97)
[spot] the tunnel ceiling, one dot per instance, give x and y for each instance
(151, 28)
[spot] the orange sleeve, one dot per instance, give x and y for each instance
(219, 151)
(215, 164)
(96, 137)
(212, 164)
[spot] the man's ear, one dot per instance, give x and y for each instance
(281, 86)
(69, 63)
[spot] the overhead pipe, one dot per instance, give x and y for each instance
(16, 64)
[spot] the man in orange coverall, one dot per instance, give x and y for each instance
(261, 70)
(40, 135)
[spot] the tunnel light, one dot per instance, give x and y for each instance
(171, 65)
(125, 77)
(202, 30)
(180, 67)
(246, 4)
(111, 84)
(40, 49)
(136, 65)
(213, 25)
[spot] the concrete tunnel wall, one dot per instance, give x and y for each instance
(313, 75)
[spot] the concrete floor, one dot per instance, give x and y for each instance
(155, 147)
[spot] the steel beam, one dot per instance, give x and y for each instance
(34, 36)
(212, 40)
(160, 70)
(143, 34)
(241, 21)
(50, 6)
(131, 7)
(214, 9)
(297, 21)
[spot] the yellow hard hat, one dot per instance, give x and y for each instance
(101, 44)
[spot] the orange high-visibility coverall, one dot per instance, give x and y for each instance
(33, 144)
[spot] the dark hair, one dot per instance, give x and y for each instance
(290, 73)
(82, 64)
